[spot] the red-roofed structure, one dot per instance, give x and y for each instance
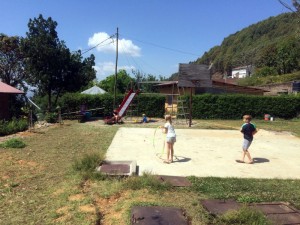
(5, 92)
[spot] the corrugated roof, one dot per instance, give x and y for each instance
(5, 88)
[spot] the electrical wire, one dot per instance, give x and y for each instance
(160, 46)
(89, 49)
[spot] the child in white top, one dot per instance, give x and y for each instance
(170, 138)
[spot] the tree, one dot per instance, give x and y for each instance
(51, 67)
(12, 61)
(294, 7)
(46, 56)
(123, 82)
(80, 72)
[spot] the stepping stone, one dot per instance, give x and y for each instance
(118, 168)
(153, 215)
(280, 213)
(219, 207)
(175, 181)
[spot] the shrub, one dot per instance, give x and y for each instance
(152, 105)
(51, 117)
(88, 162)
(13, 143)
(13, 126)
(209, 106)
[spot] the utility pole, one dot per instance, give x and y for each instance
(116, 66)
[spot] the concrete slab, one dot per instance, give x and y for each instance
(202, 153)
(219, 207)
(118, 168)
(153, 215)
(175, 181)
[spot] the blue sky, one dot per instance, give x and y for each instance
(155, 35)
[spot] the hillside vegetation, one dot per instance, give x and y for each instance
(272, 45)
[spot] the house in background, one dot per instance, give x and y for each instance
(5, 93)
(242, 71)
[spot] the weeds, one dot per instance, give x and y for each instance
(243, 216)
(13, 143)
(147, 181)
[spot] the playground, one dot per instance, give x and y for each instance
(204, 153)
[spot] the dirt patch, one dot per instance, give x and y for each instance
(77, 197)
(115, 208)
(87, 208)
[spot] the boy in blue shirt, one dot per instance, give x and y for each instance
(248, 129)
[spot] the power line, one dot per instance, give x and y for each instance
(163, 47)
(87, 50)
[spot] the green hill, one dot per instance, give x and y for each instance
(272, 46)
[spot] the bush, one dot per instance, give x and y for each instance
(88, 162)
(209, 106)
(51, 117)
(152, 105)
(13, 143)
(13, 126)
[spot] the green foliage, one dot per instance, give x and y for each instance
(13, 143)
(11, 61)
(51, 67)
(272, 43)
(265, 71)
(123, 82)
(13, 126)
(51, 117)
(147, 181)
(235, 106)
(245, 215)
(88, 162)
(152, 105)
(257, 80)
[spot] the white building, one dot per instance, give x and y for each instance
(242, 71)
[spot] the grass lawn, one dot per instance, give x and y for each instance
(39, 184)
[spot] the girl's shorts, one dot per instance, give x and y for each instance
(171, 139)
(246, 144)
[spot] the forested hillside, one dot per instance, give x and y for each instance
(272, 46)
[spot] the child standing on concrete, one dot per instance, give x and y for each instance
(248, 129)
(170, 138)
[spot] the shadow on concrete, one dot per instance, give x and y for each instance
(260, 160)
(181, 159)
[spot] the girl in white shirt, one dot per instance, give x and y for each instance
(170, 138)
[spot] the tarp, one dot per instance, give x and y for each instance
(94, 91)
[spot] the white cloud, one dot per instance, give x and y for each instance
(109, 44)
(105, 69)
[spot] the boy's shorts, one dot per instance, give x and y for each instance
(246, 144)
(171, 139)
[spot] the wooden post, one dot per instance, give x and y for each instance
(191, 95)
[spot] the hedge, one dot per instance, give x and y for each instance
(210, 106)
(13, 126)
(153, 105)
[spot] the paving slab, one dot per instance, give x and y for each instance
(175, 181)
(219, 207)
(119, 168)
(278, 212)
(153, 215)
(203, 153)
